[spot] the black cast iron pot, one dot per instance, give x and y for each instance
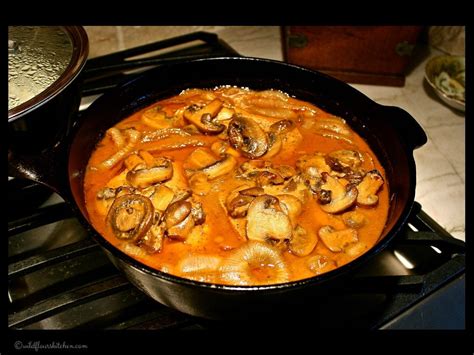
(391, 132)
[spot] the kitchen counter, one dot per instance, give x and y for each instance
(440, 162)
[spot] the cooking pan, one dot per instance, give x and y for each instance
(391, 133)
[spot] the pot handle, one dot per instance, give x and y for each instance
(406, 126)
(47, 168)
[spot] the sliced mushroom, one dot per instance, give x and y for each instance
(337, 240)
(177, 212)
(356, 249)
(302, 242)
(238, 206)
(320, 264)
(142, 178)
(203, 118)
(153, 240)
(286, 171)
(221, 167)
(269, 177)
(247, 136)
(313, 164)
(199, 216)
(106, 193)
(282, 126)
(252, 191)
(130, 216)
(179, 220)
(344, 160)
(369, 187)
(239, 200)
(274, 145)
(341, 197)
(266, 221)
(291, 205)
(181, 230)
(255, 263)
(354, 219)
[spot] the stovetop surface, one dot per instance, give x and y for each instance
(59, 278)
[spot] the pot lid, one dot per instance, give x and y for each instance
(42, 60)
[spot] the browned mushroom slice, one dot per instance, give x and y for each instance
(252, 191)
(282, 126)
(337, 240)
(344, 160)
(356, 249)
(106, 193)
(274, 145)
(320, 264)
(238, 201)
(179, 220)
(247, 136)
(368, 188)
(177, 212)
(269, 177)
(130, 216)
(302, 242)
(198, 214)
(203, 118)
(286, 171)
(153, 240)
(221, 167)
(266, 221)
(341, 197)
(313, 164)
(291, 205)
(181, 230)
(354, 219)
(238, 206)
(142, 178)
(255, 263)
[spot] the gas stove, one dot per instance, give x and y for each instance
(59, 278)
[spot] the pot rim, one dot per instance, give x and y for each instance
(314, 280)
(80, 52)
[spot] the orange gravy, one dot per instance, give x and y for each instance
(203, 147)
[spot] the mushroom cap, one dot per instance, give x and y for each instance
(266, 220)
(247, 136)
